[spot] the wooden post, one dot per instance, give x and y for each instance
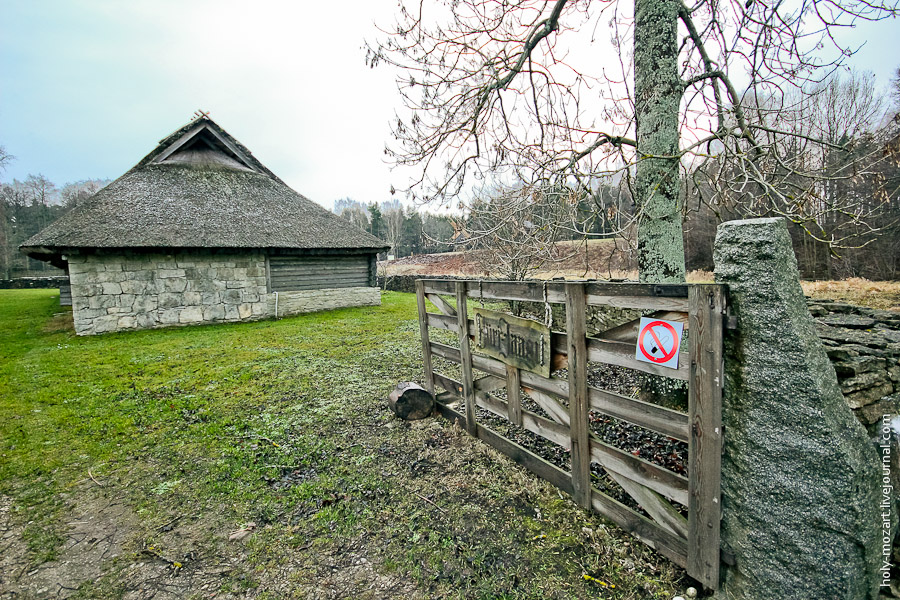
(462, 316)
(514, 395)
(705, 324)
(426, 340)
(576, 333)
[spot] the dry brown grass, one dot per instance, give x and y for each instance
(856, 290)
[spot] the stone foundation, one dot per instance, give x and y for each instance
(133, 290)
(292, 303)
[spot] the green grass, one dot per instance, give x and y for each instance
(284, 424)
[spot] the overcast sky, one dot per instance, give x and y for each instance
(88, 87)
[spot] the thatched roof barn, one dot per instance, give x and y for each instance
(198, 231)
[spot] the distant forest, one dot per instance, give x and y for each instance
(854, 198)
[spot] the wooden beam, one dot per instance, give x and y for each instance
(665, 515)
(440, 304)
(628, 332)
(657, 478)
(664, 542)
(514, 395)
(705, 447)
(533, 291)
(656, 418)
(465, 356)
(423, 333)
(578, 393)
(644, 414)
(551, 406)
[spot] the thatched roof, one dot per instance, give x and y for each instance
(199, 188)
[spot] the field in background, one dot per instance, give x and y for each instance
(605, 260)
(597, 259)
(259, 460)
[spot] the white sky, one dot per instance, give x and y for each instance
(87, 88)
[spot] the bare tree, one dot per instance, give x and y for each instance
(73, 194)
(394, 217)
(353, 211)
(514, 90)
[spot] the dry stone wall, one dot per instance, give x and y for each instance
(142, 291)
(864, 347)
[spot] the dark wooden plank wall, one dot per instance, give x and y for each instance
(298, 273)
(65, 295)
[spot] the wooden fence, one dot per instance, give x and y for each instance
(691, 542)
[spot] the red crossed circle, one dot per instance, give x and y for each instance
(667, 356)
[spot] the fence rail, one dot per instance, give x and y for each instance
(691, 542)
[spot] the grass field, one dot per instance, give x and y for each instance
(259, 460)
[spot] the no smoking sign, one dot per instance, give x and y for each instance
(658, 342)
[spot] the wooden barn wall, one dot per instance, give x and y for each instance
(298, 273)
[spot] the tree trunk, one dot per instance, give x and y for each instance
(658, 93)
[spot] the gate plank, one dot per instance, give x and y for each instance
(665, 515)
(423, 332)
(465, 356)
(705, 446)
(578, 393)
(440, 304)
(514, 394)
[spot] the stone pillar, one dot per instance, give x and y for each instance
(800, 477)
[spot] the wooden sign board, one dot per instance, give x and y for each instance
(518, 342)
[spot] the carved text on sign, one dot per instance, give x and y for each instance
(522, 343)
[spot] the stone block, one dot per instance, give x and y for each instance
(260, 309)
(169, 300)
(224, 273)
(245, 310)
(191, 314)
(142, 274)
(234, 284)
(133, 286)
(105, 324)
(894, 373)
(146, 320)
(214, 312)
(869, 395)
(127, 322)
(101, 301)
(166, 273)
(145, 304)
(125, 300)
(232, 313)
(210, 298)
(89, 313)
(872, 413)
(800, 478)
(232, 296)
(192, 298)
(175, 284)
(864, 381)
(168, 316)
(250, 296)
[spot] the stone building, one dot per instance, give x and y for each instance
(200, 231)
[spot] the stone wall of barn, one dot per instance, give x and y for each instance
(143, 291)
(115, 292)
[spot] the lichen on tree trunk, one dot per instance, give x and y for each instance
(658, 93)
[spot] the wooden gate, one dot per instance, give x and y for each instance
(691, 542)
